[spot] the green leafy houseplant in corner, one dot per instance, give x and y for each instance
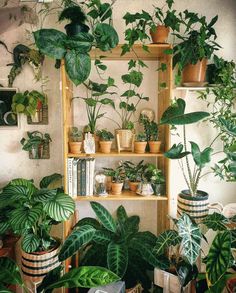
(188, 199)
(114, 243)
(34, 212)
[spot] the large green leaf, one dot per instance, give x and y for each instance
(191, 238)
(200, 158)
(121, 214)
(173, 110)
(75, 241)
(30, 243)
(165, 240)
(134, 77)
(43, 195)
(4, 226)
(52, 277)
(117, 258)
(175, 152)
(95, 255)
(48, 180)
(51, 42)
(25, 217)
(78, 66)
(218, 258)
(103, 237)
(216, 222)
(88, 221)
(104, 216)
(106, 37)
(82, 42)
(146, 237)
(86, 277)
(59, 207)
(9, 272)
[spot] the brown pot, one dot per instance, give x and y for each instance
(105, 146)
(116, 188)
(154, 146)
(75, 147)
(139, 147)
(160, 35)
(133, 186)
(195, 73)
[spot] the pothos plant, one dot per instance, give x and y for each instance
(75, 49)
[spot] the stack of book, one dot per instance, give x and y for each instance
(80, 173)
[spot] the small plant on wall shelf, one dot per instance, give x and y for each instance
(117, 176)
(133, 173)
(105, 140)
(140, 143)
(75, 140)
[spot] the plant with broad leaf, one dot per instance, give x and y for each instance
(34, 140)
(150, 127)
(75, 134)
(140, 137)
(117, 174)
(75, 49)
(115, 243)
(175, 115)
(34, 210)
(132, 171)
(104, 135)
(152, 174)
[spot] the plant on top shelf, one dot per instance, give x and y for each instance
(133, 173)
(114, 243)
(196, 47)
(75, 48)
(117, 176)
(75, 140)
(140, 143)
(175, 115)
(156, 177)
(105, 140)
(35, 143)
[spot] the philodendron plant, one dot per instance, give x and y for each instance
(175, 115)
(75, 49)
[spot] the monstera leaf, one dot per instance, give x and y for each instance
(117, 258)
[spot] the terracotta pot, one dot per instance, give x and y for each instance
(160, 35)
(105, 146)
(154, 146)
(195, 73)
(116, 188)
(140, 146)
(133, 186)
(75, 147)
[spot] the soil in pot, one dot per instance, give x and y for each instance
(139, 147)
(160, 35)
(105, 146)
(75, 147)
(133, 186)
(116, 188)
(154, 146)
(195, 74)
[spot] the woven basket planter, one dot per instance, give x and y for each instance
(126, 139)
(197, 207)
(35, 266)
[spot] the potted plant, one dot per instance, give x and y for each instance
(140, 143)
(35, 211)
(105, 140)
(133, 173)
(75, 140)
(156, 178)
(151, 131)
(192, 201)
(35, 143)
(117, 176)
(30, 104)
(196, 47)
(115, 244)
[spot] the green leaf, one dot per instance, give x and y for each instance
(134, 77)
(51, 42)
(216, 222)
(107, 101)
(146, 237)
(9, 272)
(117, 258)
(75, 241)
(121, 214)
(88, 221)
(78, 66)
(106, 36)
(30, 243)
(165, 240)
(200, 158)
(86, 277)
(48, 180)
(51, 277)
(82, 42)
(44, 195)
(175, 152)
(128, 93)
(104, 216)
(191, 238)
(218, 258)
(4, 226)
(103, 237)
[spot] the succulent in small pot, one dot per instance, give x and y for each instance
(75, 140)
(117, 175)
(140, 143)
(105, 140)
(156, 178)
(133, 173)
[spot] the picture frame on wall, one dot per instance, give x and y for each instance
(7, 117)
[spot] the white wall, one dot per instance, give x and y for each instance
(15, 163)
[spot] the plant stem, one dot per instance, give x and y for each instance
(191, 183)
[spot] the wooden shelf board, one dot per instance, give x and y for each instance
(126, 195)
(114, 154)
(156, 51)
(185, 88)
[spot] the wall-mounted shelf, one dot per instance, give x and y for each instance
(114, 154)
(184, 88)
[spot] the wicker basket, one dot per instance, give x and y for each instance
(137, 289)
(126, 138)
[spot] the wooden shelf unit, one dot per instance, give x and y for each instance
(157, 52)
(114, 154)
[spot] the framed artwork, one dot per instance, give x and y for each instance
(7, 117)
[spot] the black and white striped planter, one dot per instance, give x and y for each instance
(197, 207)
(35, 266)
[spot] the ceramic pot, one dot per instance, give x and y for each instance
(105, 146)
(140, 146)
(133, 186)
(195, 74)
(116, 188)
(160, 35)
(75, 147)
(154, 146)
(159, 189)
(144, 189)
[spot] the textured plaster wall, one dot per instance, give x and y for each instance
(15, 163)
